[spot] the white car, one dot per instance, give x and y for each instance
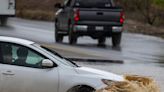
(28, 67)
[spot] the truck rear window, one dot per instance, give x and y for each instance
(93, 3)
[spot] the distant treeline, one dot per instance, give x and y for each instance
(149, 11)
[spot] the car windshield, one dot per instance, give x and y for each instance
(93, 3)
(63, 60)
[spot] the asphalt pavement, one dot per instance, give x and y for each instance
(143, 55)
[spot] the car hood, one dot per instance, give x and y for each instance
(99, 73)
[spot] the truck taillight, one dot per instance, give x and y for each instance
(77, 15)
(122, 17)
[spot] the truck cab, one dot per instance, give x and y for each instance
(7, 9)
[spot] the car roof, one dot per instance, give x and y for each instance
(15, 40)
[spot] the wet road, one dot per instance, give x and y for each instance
(135, 48)
(143, 55)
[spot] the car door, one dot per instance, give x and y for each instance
(64, 15)
(22, 71)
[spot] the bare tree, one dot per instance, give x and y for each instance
(147, 9)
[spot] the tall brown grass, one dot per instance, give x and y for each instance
(36, 4)
(37, 14)
(36, 9)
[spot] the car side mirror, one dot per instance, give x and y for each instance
(58, 5)
(46, 63)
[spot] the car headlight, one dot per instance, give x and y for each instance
(107, 82)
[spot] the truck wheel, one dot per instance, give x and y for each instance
(3, 21)
(101, 41)
(116, 39)
(58, 37)
(72, 35)
(72, 38)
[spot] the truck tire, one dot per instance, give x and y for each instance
(58, 37)
(101, 41)
(116, 39)
(72, 36)
(3, 21)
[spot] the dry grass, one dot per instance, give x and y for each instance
(132, 84)
(139, 27)
(36, 4)
(36, 9)
(37, 14)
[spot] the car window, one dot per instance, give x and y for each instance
(64, 60)
(5, 53)
(19, 55)
(56, 56)
(93, 3)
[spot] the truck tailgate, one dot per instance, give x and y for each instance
(100, 16)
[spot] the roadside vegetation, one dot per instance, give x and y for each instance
(148, 11)
(142, 16)
(36, 9)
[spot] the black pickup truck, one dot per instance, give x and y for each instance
(98, 19)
